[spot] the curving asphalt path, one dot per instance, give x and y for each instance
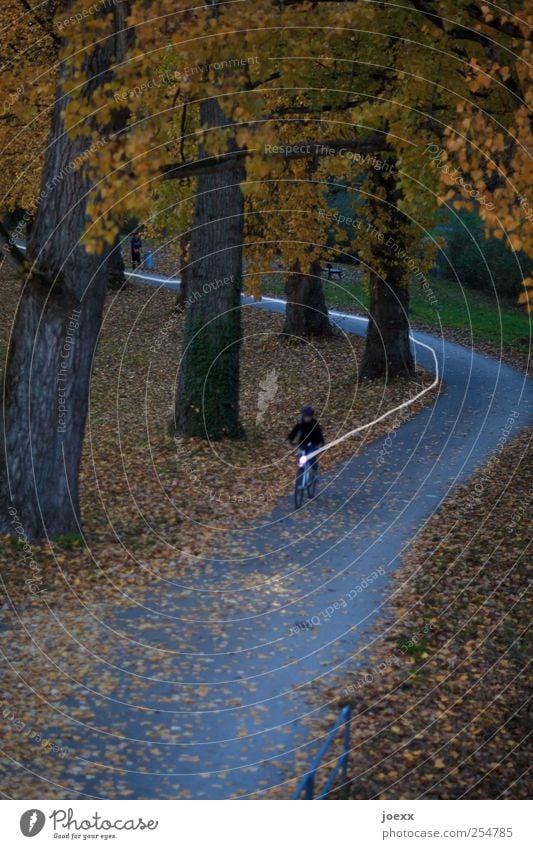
(228, 694)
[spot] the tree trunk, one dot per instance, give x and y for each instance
(55, 332)
(306, 313)
(207, 399)
(388, 349)
(181, 297)
(115, 267)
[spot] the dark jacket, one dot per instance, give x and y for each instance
(307, 432)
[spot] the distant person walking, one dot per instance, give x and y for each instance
(136, 246)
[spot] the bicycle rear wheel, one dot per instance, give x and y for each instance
(311, 487)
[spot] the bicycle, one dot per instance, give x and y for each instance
(306, 476)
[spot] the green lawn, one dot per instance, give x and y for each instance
(491, 319)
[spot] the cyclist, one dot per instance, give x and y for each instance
(307, 430)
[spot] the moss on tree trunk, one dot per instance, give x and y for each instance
(207, 398)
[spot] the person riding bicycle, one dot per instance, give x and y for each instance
(307, 430)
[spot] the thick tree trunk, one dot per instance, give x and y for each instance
(207, 399)
(45, 406)
(306, 313)
(388, 349)
(54, 335)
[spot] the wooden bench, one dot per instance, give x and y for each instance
(331, 272)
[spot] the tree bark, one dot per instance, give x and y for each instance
(115, 267)
(55, 331)
(181, 297)
(207, 398)
(306, 313)
(388, 348)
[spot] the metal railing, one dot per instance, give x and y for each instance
(307, 784)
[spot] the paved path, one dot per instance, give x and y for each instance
(225, 706)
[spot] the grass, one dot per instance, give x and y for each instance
(490, 318)
(68, 541)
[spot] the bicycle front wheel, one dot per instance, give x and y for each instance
(299, 489)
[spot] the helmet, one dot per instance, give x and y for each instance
(308, 411)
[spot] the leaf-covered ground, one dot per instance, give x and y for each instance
(441, 711)
(152, 510)
(150, 502)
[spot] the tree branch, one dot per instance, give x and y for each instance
(10, 251)
(374, 143)
(48, 29)
(193, 168)
(18, 260)
(507, 28)
(312, 110)
(275, 75)
(464, 33)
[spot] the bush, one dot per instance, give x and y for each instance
(479, 263)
